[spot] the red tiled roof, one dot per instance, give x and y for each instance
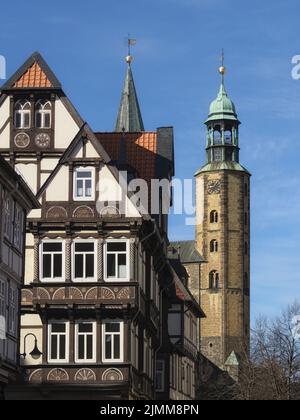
(141, 151)
(34, 77)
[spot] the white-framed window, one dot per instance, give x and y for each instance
(85, 342)
(13, 296)
(52, 261)
(23, 114)
(117, 260)
(3, 298)
(160, 375)
(84, 266)
(58, 342)
(84, 184)
(43, 114)
(113, 341)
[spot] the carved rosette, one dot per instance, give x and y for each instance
(113, 375)
(36, 377)
(85, 375)
(58, 375)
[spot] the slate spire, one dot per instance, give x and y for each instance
(129, 118)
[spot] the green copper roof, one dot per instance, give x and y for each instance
(222, 108)
(129, 117)
(222, 166)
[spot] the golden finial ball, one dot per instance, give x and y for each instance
(129, 59)
(222, 70)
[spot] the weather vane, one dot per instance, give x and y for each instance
(222, 69)
(130, 42)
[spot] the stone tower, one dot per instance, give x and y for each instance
(223, 237)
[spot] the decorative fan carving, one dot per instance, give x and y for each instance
(107, 293)
(75, 293)
(92, 294)
(124, 293)
(27, 296)
(59, 294)
(56, 212)
(36, 377)
(58, 375)
(112, 375)
(43, 294)
(83, 212)
(85, 375)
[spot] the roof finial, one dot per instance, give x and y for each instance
(222, 69)
(130, 42)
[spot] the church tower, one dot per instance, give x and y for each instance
(223, 238)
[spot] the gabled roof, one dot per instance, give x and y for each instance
(188, 252)
(129, 116)
(34, 73)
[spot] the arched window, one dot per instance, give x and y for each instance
(22, 114)
(214, 280)
(217, 135)
(228, 137)
(43, 114)
(214, 217)
(214, 246)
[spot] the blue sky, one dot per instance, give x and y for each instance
(175, 69)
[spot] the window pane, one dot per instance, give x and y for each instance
(26, 120)
(85, 174)
(84, 247)
(57, 266)
(62, 347)
(88, 188)
(79, 190)
(58, 328)
(112, 327)
(46, 266)
(47, 120)
(18, 120)
(54, 347)
(108, 347)
(81, 347)
(111, 265)
(85, 328)
(52, 247)
(89, 265)
(117, 247)
(79, 266)
(116, 347)
(38, 120)
(122, 265)
(89, 349)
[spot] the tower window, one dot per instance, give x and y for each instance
(214, 217)
(228, 137)
(22, 114)
(217, 154)
(43, 114)
(214, 280)
(214, 246)
(217, 136)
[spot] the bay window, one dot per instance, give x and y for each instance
(85, 342)
(52, 261)
(112, 341)
(117, 264)
(84, 261)
(58, 342)
(84, 184)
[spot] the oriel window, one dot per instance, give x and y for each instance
(58, 333)
(117, 261)
(85, 342)
(43, 114)
(113, 346)
(52, 261)
(23, 114)
(84, 258)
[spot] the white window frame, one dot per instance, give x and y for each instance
(40, 109)
(121, 334)
(3, 302)
(22, 112)
(94, 335)
(12, 298)
(84, 169)
(52, 279)
(119, 280)
(84, 279)
(67, 334)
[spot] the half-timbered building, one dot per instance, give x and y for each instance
(16, 200)
(99, 286)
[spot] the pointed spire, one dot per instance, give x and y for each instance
(129, 117)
